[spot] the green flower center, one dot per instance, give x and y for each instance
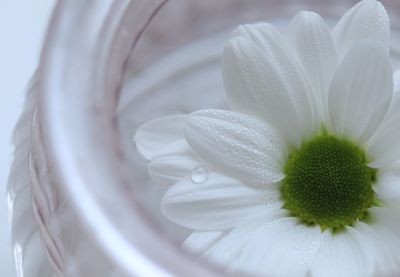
(328, 182)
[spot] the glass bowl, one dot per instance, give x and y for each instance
(107, 67)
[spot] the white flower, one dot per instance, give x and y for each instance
(302, 177)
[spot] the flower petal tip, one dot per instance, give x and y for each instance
(366, 20)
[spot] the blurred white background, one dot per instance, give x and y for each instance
(22, 27)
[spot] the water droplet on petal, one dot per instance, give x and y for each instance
(314, 243)
(199, 175)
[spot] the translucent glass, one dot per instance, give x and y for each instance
(107, 67)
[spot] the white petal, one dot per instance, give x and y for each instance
(387, 218)
(388, 184)
(360, 92)
(217, 204)
(386, 226)
(281, 248)
(384, 147)
(199, 242)
(378, 259)
(312, 44)
(173, 163)
(367, 20)
(366, 249)
(228, 249)
(241, 146)
(262, 78)
(338, 255)
(155, 134)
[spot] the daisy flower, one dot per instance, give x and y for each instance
(301, 177)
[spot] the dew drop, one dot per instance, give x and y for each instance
(199, 175)
(301, 262)
(314, 243)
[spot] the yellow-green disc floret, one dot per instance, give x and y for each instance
(328, 182)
